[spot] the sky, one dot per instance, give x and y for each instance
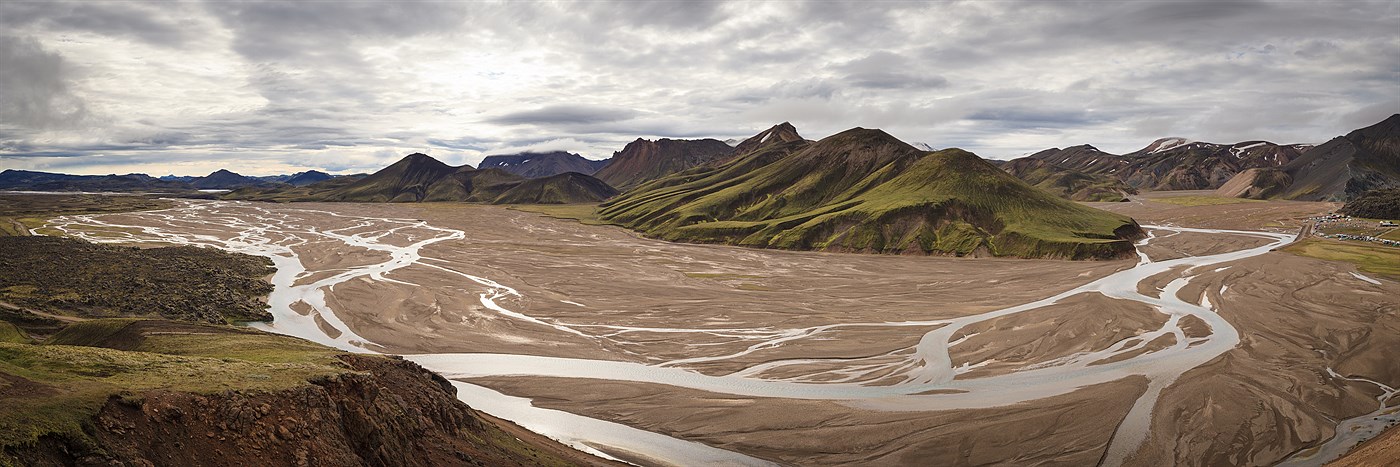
(265, 87)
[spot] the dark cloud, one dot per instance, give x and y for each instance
(351, 85)
(143, 22)
(34, 91)
(565, 114)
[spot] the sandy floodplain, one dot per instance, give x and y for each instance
(1209, 350)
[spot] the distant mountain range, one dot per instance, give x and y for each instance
(863, 190)
(542, 164)
(1337, 170)
(420, 178)
(24, 180)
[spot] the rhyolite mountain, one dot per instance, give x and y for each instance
(863, 190)
(1171, 163)
(542, 164)
(1067, 183)
(1340, 169)
(421, 178)
(1347, 166)
(643, 160)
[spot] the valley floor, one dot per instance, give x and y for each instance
(1210, 350)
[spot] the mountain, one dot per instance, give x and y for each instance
(1084, 159)
(26, 180)
(1172, 163)
(1256, 183)
(1067, 183)
(307, 178)
(420, 178)
(643, 160)
(1363, 160)
(1180, 164)
(1375, 204)
(1341, 169)
(537, 164)
(290, 193)
(564, 188)
(223, 179)
(782, 132)
(862, 190)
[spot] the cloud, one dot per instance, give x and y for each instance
(262, 87)
(565, 114)
(35, 87)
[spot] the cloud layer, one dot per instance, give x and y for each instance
(266, 87)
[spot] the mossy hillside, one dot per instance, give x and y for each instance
(56, 389)
(12, 334)
(863, 190)
(1067, 183)
(565, 188)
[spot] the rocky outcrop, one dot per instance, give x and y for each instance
(386, 412)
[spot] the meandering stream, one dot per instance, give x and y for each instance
(275, 232)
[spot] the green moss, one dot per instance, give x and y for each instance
(1368, 257)
(71, 383)
(11, 333)
(900, 200)
(1203, 200)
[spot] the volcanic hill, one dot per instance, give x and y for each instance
(862, 190)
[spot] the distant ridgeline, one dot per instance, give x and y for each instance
(25, 180)
(865, 191)
(1346, 166)
(421, 178)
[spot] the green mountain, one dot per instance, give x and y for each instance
(565, 188)
(865, 191)
(1068, 183)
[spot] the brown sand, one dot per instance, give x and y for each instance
(1256, 404)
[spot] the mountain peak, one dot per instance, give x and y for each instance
(781, 133)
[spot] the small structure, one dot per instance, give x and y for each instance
(1389, 224)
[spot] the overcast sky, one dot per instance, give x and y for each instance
(267, 87)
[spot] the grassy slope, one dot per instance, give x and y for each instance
(1074, 185)
(1371, 258)
(858, 191)
(1202, 200)
(68, 384)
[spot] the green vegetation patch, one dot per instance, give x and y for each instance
(1371, 258)
(76, 278)
(584, 213)
(863, 191)
(1203, 200)
(11, 334)
(55, 389)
